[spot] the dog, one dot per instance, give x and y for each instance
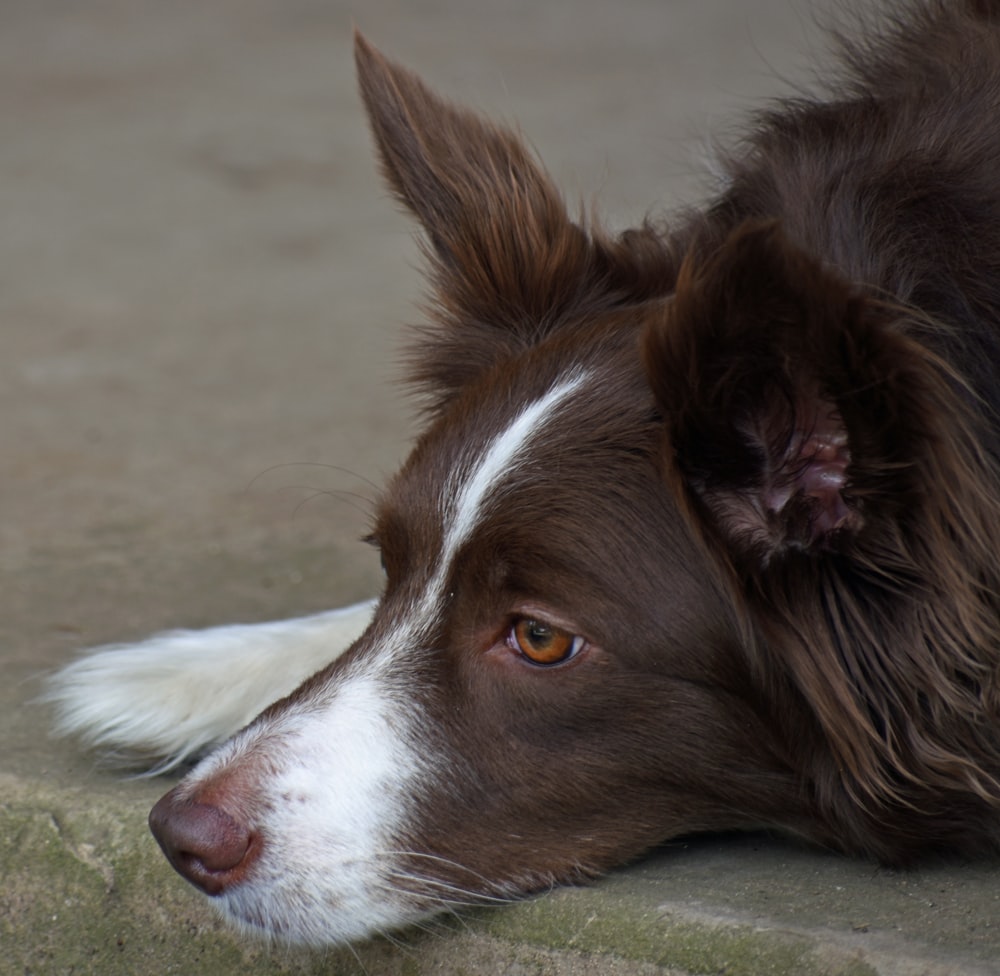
(702, 532)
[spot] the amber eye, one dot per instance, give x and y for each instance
(543, 644)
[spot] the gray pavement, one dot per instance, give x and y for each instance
(202, 287)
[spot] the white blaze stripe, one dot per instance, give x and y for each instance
(501, 454)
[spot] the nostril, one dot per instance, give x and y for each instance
(204, 843)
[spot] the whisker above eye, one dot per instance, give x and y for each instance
(313, 464)
(334, 493)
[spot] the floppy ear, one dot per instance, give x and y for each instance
(759, 363)
(508, 265)
(831, 463)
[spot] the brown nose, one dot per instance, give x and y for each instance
(204, 843)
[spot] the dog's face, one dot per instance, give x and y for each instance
(541, 694)
(532, 700)
(563, 669)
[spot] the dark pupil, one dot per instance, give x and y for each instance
(539, 635)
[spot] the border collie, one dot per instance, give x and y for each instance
(702, 532)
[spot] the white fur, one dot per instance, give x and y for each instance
(463, 504)
(179, 693)
(331, 777)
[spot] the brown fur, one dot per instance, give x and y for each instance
(845, 286)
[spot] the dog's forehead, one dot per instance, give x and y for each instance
(513, 433)
(472, 456)
(518, 473)
(519, 406)
(478, 441)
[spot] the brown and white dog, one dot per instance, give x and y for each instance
(703, 531)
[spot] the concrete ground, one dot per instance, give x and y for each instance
(202, 286)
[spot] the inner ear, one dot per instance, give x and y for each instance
(815, 469)
(754, 364)
(795, 477)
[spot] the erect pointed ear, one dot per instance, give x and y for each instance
(496, 225)
(508, 265)
(767, 371)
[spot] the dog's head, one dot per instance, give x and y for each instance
(566, 665)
